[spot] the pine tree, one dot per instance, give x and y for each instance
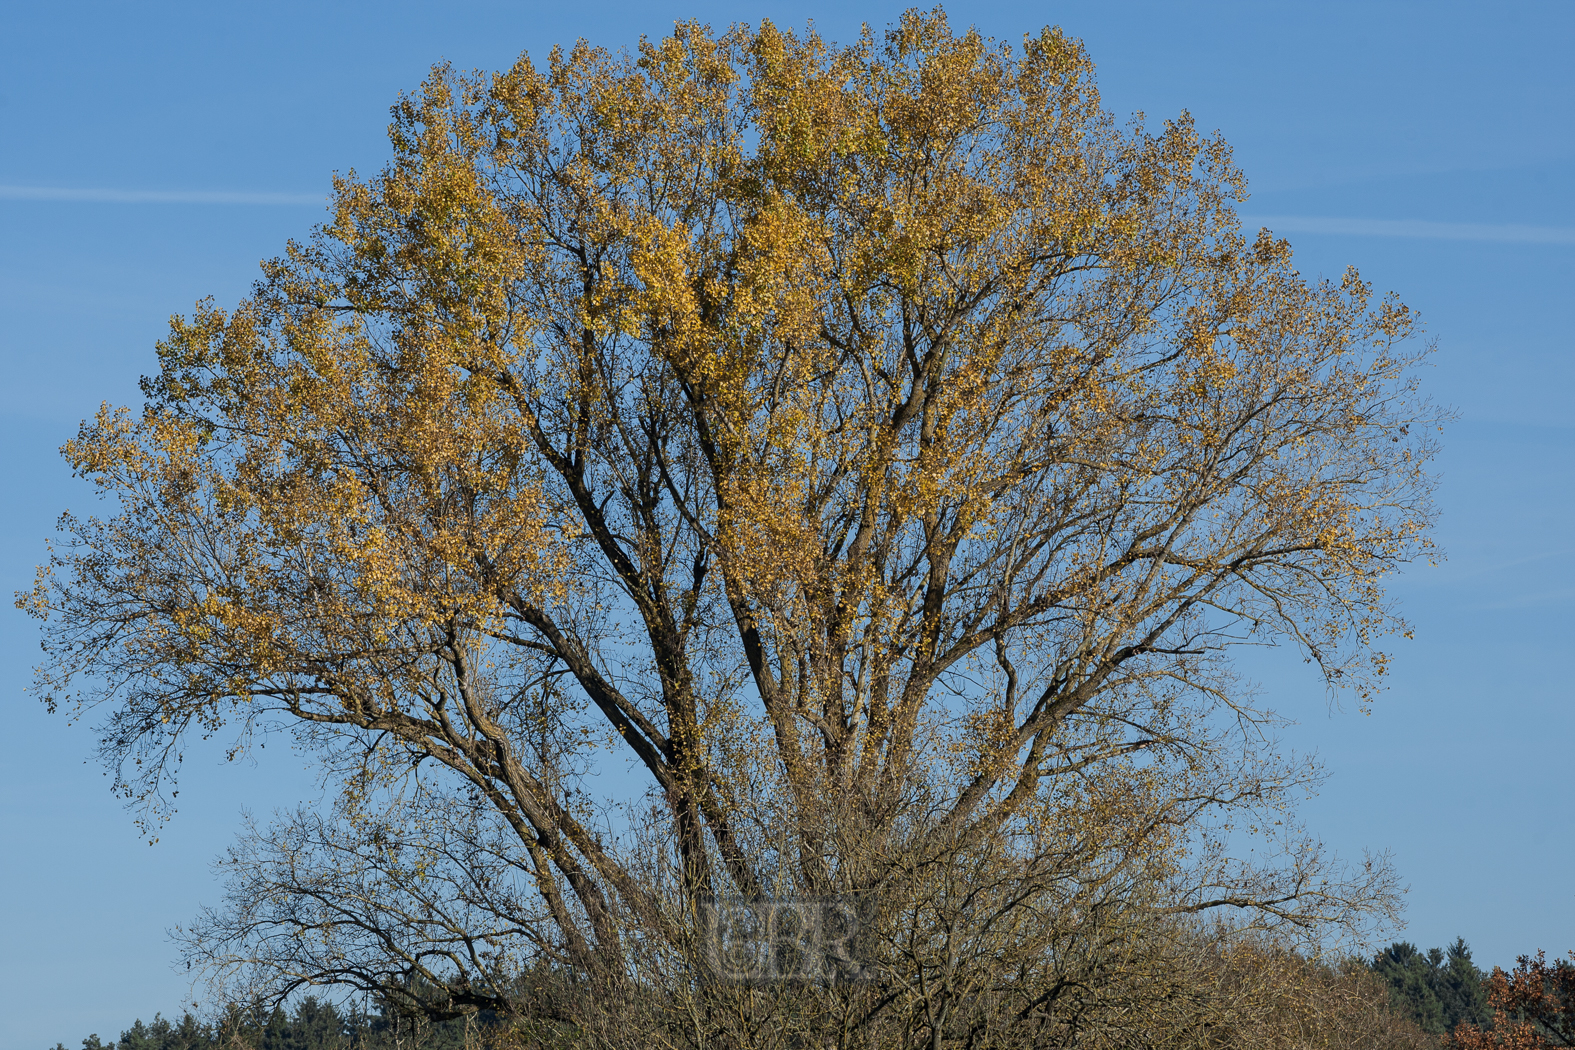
(1437, 989)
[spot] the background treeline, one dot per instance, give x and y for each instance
(312, 1024)
(1437, 989)
(1430, 993)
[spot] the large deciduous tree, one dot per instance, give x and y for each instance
(874, 449)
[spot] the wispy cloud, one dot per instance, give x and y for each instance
(105, 196)
(1438, 231)
(1527, 601)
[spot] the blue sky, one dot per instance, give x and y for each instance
(153, 153)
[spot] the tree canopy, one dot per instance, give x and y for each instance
(876, 446)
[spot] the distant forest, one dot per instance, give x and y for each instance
(312, 1024)
(1437, 990)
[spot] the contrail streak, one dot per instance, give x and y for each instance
(1438, 231)
(1415, 228)
(106, 196)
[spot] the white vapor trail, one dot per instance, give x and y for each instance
(1438, 231)
(104, 196)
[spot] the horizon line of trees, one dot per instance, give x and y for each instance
(312, 1024)
(1439, 993)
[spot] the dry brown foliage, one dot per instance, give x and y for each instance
(1533, 1008)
